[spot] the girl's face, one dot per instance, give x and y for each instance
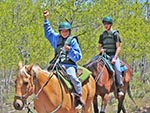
(107, 26)
(65, 33)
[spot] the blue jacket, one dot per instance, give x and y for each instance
(74, 53)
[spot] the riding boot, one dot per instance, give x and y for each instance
(78, 102)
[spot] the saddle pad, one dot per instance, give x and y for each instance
(108, 65)
(86, 73)
(67, 83)
(123, 67)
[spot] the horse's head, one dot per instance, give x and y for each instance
(24, 85)
(98, 68)
(94, 65)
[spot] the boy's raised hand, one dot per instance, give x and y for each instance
(46, 13)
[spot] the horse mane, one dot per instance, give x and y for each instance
(92, 65)
(35, 68)
(38, 68)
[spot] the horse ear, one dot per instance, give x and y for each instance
(20, 64)
(29, 68)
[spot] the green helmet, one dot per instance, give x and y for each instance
(107, 19)
(64, 25)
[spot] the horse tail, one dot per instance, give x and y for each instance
(129, 94)
(128, 88)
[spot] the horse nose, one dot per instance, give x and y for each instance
(18, 104)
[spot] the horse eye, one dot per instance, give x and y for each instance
(25, 83)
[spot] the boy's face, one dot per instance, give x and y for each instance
(65, 33)
(107, 26)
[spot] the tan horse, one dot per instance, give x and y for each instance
(53, 97)
(105, 84)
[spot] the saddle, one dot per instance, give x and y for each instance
(78, 73)
(109, 66)
(82, 74)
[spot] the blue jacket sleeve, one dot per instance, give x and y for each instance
(74, 53)
(50, 34)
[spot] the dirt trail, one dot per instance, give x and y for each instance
(145, 109)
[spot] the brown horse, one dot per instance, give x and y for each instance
(105, 84)
(52, 96)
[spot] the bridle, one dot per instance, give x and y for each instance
(23, 100)
(23, 97)
(98, 61)
(102, 70)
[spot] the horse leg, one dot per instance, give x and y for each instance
(104, 103)
(88, 93)
(87, 108)
(123, 109)
(95, 104)
(120, 105)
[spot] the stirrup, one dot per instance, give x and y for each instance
(78, 107)
(79, 103)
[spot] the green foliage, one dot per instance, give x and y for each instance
(22, 28)
(139, 88)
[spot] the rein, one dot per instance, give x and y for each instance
(23, 97)
(50, 76)
(97, 60)
(58, 107)
(101, 72)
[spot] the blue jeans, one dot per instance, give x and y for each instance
(71, 71)
(117, 70)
